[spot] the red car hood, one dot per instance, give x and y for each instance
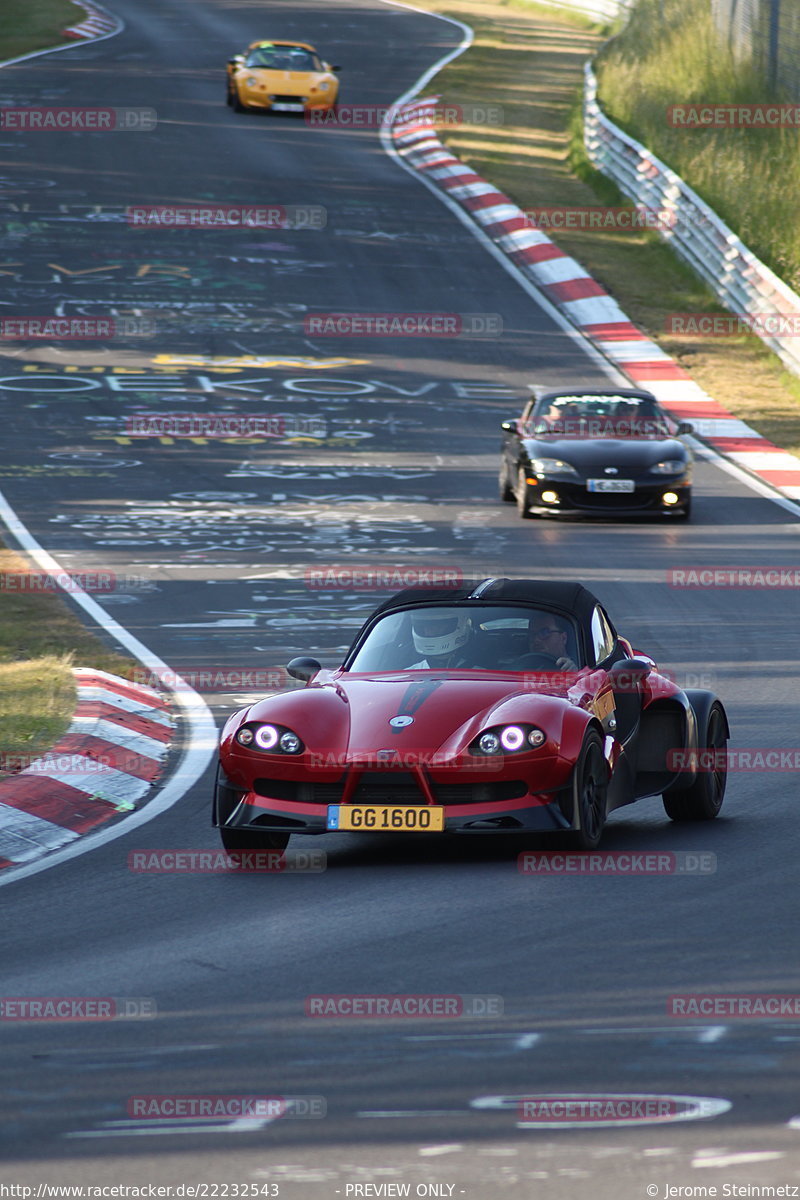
(351, 714)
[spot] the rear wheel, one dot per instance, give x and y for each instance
(703, 799)
(589, 790)
(523, 495)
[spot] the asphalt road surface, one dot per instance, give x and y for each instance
(385, 453)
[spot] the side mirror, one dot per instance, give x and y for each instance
(303, 668)
(509, 426)
(628, 674)
(685, 427)
(336, 68)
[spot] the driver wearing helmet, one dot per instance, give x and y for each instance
(444, 637)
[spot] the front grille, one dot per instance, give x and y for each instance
(299, 792)
(388, 787)
(479, 793)
(288, 99)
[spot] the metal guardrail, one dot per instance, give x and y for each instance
(741, 282)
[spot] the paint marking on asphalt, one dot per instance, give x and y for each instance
(713, 1159)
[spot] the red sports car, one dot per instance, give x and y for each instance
(510, 707)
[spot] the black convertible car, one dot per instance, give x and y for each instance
(604, 452)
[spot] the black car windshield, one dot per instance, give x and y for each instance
(283, 58)
(470, 637)
(585, 416)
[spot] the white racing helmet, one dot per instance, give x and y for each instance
(439, 632)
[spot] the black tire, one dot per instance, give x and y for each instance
(523, 495)
(589, 793)
(236, 102)
(703, 799)
(504, 487)
(225, 800)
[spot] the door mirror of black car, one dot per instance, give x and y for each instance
(685, 427)
(303, 668)
(508, 426)
(336, 68)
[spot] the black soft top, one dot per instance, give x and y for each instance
(570, 597)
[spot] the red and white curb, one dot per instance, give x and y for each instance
(98, 23)
(586, 304)
(104, 765)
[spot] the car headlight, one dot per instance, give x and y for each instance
(251, 81)
(508, 739)
(670, 466)
(272, 738)
(323, 87)
(552, 466)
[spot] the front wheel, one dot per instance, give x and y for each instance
(523, 495)
(503, 486)
(589, 791)
(703, 799)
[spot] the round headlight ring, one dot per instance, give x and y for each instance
(266, 737)
(512, 738)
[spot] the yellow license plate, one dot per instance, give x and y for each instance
(386, 818)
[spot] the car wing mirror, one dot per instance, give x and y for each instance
(508, 426)
(628, 673)
(303, 668)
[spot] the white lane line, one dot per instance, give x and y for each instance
(734, 1160)
(435, 1151)
(170, 1128)
(575, 335)
(202, 734)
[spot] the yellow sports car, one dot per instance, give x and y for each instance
(281, 77)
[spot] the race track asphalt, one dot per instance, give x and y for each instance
(388, 457)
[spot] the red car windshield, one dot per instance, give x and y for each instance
(469, 637)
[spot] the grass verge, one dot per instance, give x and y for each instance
(35, 25)
(40, 640)
(529, 61)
